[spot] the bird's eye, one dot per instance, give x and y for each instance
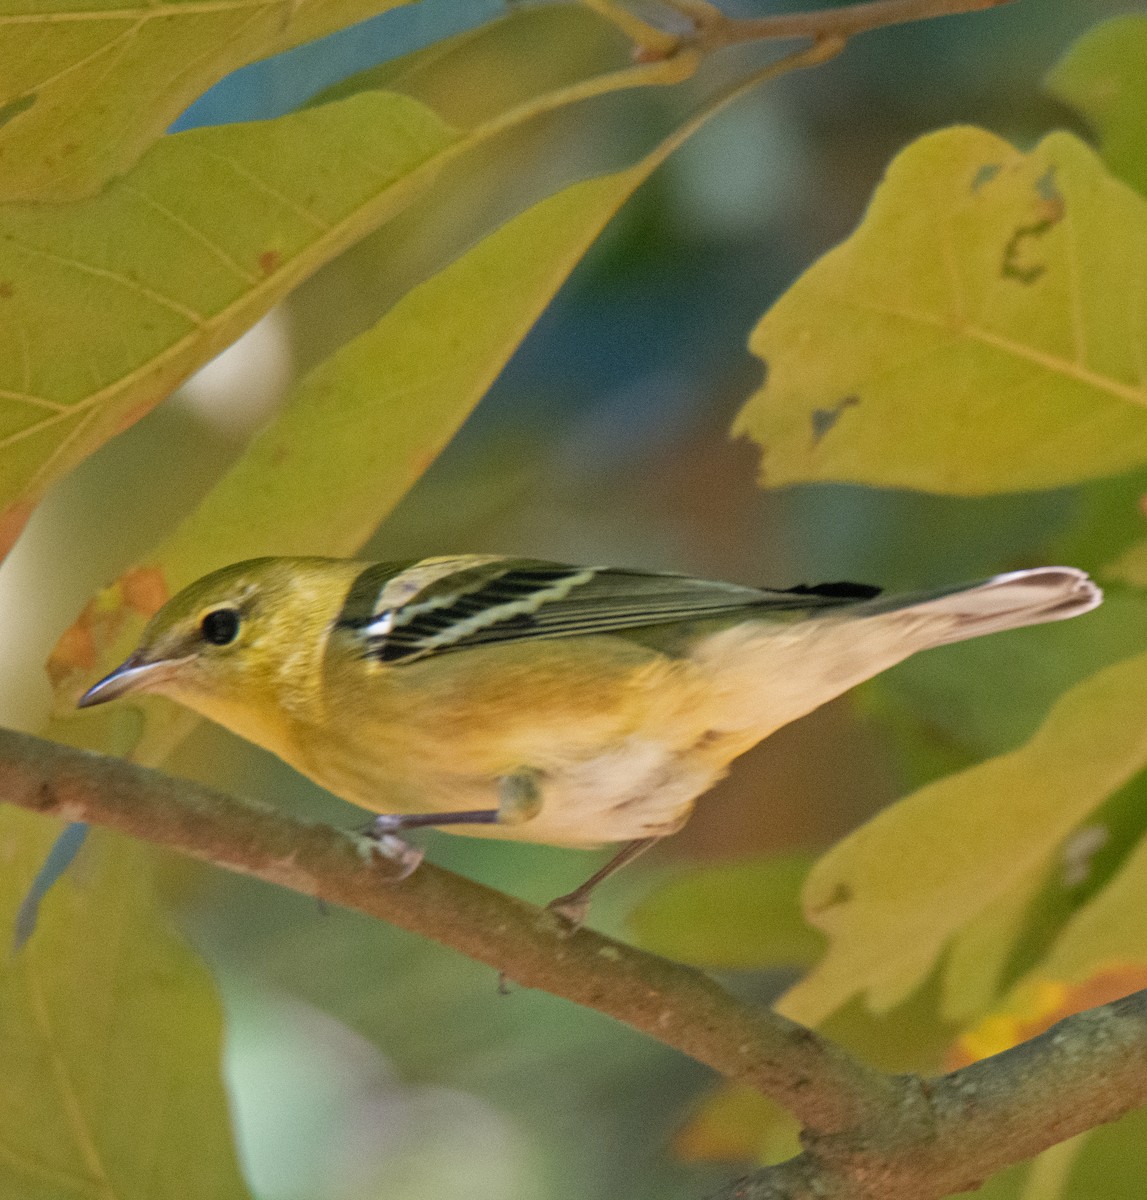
(220, 626)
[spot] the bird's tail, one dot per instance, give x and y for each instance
(1002, 602)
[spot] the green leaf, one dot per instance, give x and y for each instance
(1130, 567)
(982, 330)
(108, 304)
(1107, 932)
(740, 915)
(892, 894)
(1104, 75)
(1108, 1162)
(88, 88)
(1047, 1177)
(974, 972)
(110, 1035)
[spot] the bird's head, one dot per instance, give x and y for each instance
(229, 641)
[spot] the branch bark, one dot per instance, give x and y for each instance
(1086, 1070)
(866, 1134)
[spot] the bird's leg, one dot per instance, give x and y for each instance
(393, 822)
(519, 799)
(574, 906)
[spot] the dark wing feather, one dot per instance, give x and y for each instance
(519, 599)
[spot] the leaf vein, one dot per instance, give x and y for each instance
(1136, 394)
(158, 298)
(261, 184)
(147, 13)
(65, 1085)
(195, 234)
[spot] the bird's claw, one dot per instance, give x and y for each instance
(401, 854)
(384, 824)
(571, 910)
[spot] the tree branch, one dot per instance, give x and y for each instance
(866, 1134)
(1086, 1070)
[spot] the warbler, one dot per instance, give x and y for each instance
(525, 699)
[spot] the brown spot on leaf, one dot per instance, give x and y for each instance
(823, 419)
(75, 651)
(1013, 265)
(269, 261)
(145, 590)
(7, 291)
(96, 628)
(840, 894)
(984, 175)
(1048, 210)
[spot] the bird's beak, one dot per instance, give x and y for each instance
(132, 675)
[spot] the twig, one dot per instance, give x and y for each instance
(712, 30)
(834, 22)
(867, 1135)
(651, 40)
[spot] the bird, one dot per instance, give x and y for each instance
(532, 700)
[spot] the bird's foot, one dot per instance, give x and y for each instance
(571, 909)
(406, 859)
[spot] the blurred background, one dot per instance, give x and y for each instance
(363, 1062)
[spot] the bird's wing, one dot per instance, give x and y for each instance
(406, 613)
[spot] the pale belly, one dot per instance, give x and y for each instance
(634, 788)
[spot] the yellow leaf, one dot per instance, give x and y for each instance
(110, 1036)
(106, 305)
(979, 953)
(982, 330)
(893, 893)
(1038, 1003)
(86, 88)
